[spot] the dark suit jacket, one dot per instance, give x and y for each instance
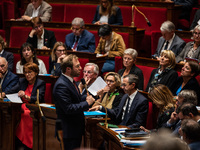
(137, 71)
(23, 84)
(49, 39)
(195, 20)
(10, 58)
(69, 108)
(9, 81)
(192, 84)
(167, 79)
(86, 42)
(194, 145)
(137, 114)
(54, 67)
(113, 19)
(186, 49)
(176, 46)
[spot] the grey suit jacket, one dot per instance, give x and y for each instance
(182, 55)
(176, 46)
(44, 11)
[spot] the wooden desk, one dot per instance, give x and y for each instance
(10, 114)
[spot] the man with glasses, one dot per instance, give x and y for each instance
(39, 37)
(37, 8)
(90, 73)
(7, 78)
(80, 39)
(133, 107)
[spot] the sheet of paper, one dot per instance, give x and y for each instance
(97, 85)
(45, 105)
(14, 98)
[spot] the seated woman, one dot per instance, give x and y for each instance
(27, 91)
(129, 60)
(7, 55)
(191, 49)
(164, 74)
(28, 54)
(58, 52)
(187, 79)
(110, 45)
(164, 100)
(111, 95)
(108, 13)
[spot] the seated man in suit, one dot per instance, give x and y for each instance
(37, 8)
(169, 40)
(7, 55)
(39, 37)
(90, 73)
(80, 39)
(7, 78)
(133, 108)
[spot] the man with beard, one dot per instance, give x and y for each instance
(39, 37)
(7, 78)
(69, 107)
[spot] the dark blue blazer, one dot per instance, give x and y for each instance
(69, 108)
(10, 58)
(137, 71)
(137, 115)
(54, 67)
(9, 81)
(49, 39)
(113, 19)
(86, 42)
(23, 84)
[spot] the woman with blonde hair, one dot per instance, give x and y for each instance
(165, 73)
(58, 52)
(111, 95)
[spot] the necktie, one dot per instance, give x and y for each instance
(76, 43)
(76, 86)
(126, 112)
(166, 45)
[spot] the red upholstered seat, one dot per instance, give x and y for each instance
(155, 35)
(82, 62)
(16, 59)
(2, 33)
(149, 123)
(126, 15)
(45, 59)
(18, 36)
(48, 93)
(118, 63)
(60, 33)
(198, 79)
(58, 11)
(146, 73)
(84, 11)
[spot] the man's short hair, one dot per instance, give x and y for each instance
(187, 108)
(35, 21)
(68, 62)
(189, 96)
(132, 78)
(191, 129)
(167, 26)
(96, 68)
(132, 52)
(78, 22)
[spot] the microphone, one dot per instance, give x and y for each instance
(84, 83)
(38, 103)
(132, 23)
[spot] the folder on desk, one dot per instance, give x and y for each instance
(94, 113)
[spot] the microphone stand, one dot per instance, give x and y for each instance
(106, 118)
(132, 23)
(38, 103)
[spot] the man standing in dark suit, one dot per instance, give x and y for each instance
(133, 108)
(39, 37)
(7, 78)
(69, 107)
(80, 39)
(169, 40)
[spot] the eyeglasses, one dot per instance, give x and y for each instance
(37, 27)
(89, 72)
(76, 29)
(28, 72)
(111, 81)
(61, 51)
(196, 33)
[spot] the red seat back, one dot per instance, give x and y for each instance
(48, 93)
(16, 59)
(58, 11)
(82, 62)
(45, 59)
